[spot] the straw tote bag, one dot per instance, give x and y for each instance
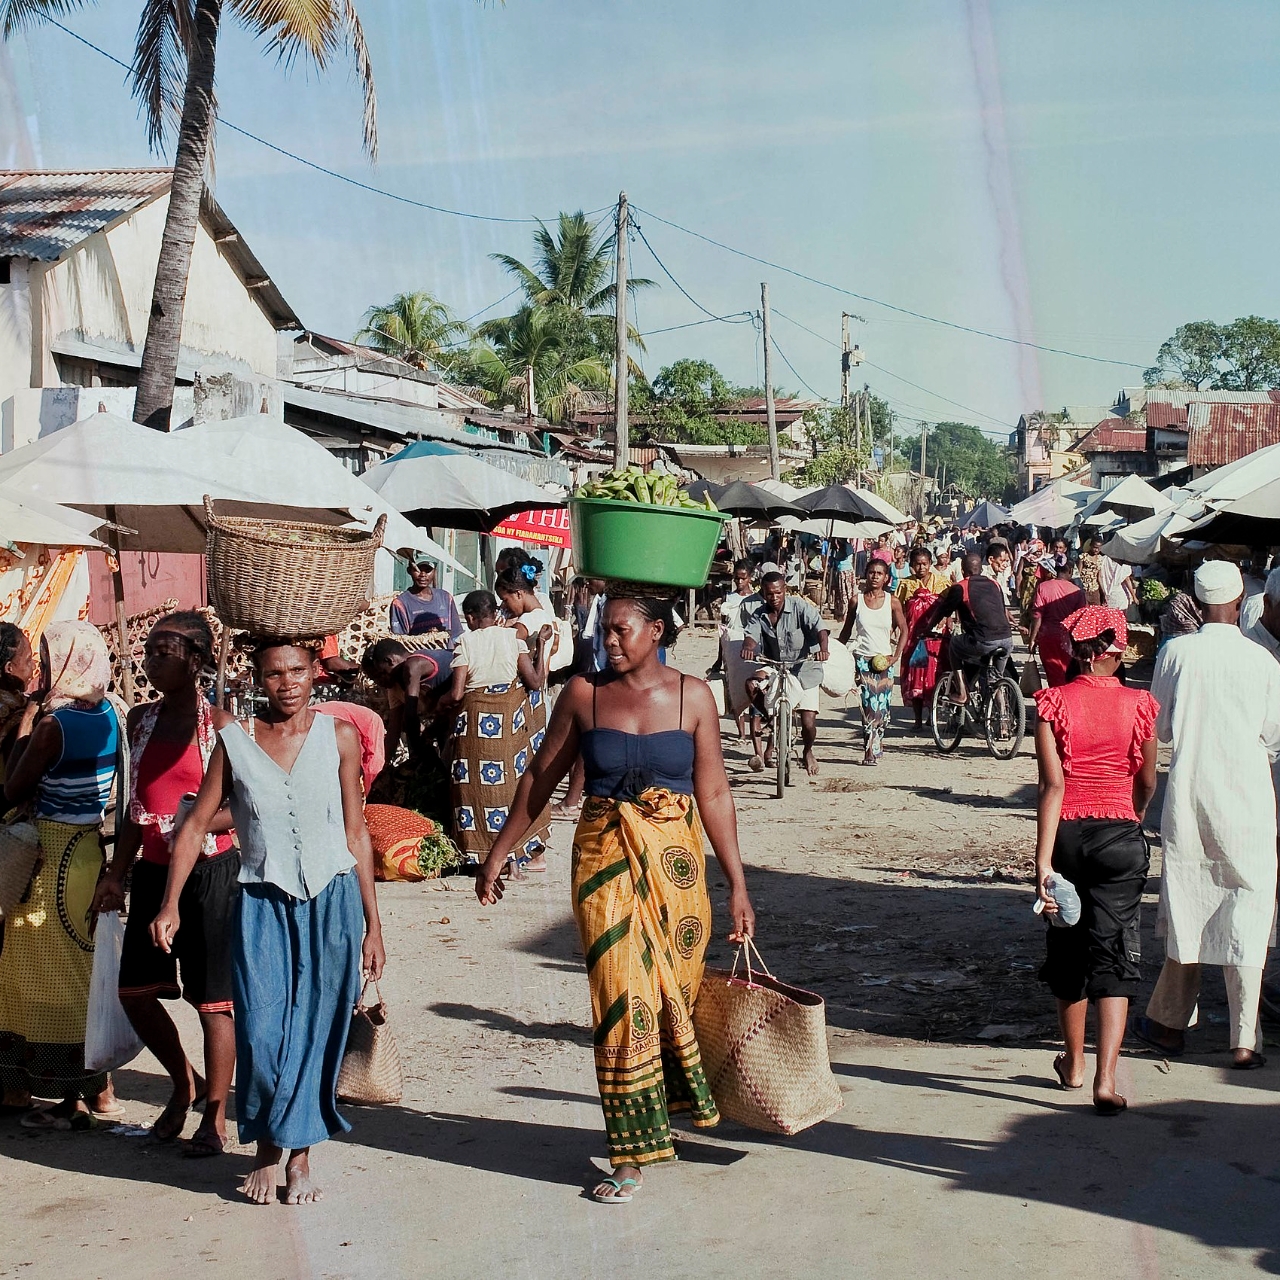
(764, 1049)
(371, 1070)
(19, 853)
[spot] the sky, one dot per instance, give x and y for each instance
(1084, 177)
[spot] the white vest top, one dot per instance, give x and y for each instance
(290, 825)
(873, 629)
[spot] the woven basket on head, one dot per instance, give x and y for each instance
(288, 577)
(764, 1049)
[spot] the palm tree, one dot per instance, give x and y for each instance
(414, 327)
(534, 344)
(173, 71)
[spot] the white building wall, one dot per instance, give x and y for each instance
(15, 331)
(102, 290)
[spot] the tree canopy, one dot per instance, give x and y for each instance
(974, 463)
(1206, 356)
(414, 327)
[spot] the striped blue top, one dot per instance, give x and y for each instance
(76, 789)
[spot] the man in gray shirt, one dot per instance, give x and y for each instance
(784, 628)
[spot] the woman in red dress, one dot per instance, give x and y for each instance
(1096, 748)
(1055, 598)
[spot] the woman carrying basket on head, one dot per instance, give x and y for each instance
(649, 738)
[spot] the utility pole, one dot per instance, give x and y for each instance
(622, 446)
(775, 469)
(924, 439)
(844, 361)
(888, 458)
(924, 475)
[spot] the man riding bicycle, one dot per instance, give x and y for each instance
(786, 629)
(979, 604)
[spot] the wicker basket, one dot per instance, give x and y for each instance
(288, 578)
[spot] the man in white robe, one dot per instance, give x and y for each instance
(1219, 696)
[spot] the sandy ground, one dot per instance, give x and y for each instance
(901, 895)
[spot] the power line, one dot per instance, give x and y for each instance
(967, 408)
(794, 370)
(906, 311)
(311, 164)
(813, 332)
(737, 317)
(491, 305)
(711, 315)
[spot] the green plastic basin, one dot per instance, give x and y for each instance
(668, 546)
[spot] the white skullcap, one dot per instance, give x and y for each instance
(1218, 582)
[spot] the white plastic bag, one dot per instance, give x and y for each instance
(109, 1038)
(838, 672)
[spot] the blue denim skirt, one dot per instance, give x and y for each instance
(295, 971)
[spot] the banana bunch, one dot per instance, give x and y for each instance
(653, 488)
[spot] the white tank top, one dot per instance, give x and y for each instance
(873, 629)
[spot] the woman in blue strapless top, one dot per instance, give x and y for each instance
(649, 739)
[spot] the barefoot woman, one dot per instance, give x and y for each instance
(293, 781)
(650, 741)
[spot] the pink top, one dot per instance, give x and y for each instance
(166, 772)
(373, 734)
(1099, 726)
(1056, 599)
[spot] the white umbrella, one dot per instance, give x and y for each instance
(1142, 543)
(781, 489)
(1240, 477)
(439, 485)
(150, 482)
(1056, 504)
(46, 524)
(301, 472)
(1132, 499)
(884, 507)
(835, 528)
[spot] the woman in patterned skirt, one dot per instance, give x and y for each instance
(649, 739)
(65, 759)
(492, 742)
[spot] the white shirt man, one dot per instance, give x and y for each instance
(1219, 696)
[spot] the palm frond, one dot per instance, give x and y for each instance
(291, 27)
(364, 70)
(166, 30)
(536, 288)
(17, 14)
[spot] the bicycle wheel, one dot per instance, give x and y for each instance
(946, 718)
(1006, 719)
(782, 746)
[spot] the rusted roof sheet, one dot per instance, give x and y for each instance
(1114, 435)
(43, 213)
(1221, 433)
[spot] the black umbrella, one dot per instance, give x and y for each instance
(986, 515)
(700, 488)
(838, 502)
(753, 503)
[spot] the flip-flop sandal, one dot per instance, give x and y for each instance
(617, 1184)
(526, 865)
(1141, 1028)
(113, 1112)
(1106, 1107)
(177, 1131)
(1251, 1063)
(43, 1120)
(1063, 1082)
(204, 1144)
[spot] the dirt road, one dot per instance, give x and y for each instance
(901, 895)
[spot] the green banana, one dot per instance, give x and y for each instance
(654, 488)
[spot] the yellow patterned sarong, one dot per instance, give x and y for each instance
(640, 900)
(45, 967)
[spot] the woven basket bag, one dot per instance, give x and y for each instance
(286, 577)
(371, 1070)
(764, 1049)
(19, 853)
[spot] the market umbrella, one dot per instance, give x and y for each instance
(780, 489)
(839, 502)
(751, 502)
(986, 515)
(152, 483)
(442, 486)
(1143, 542)
(700, 488)
(1056, 504)
(886, 510)
(303, 473)
(46, 524)
(1132, 499)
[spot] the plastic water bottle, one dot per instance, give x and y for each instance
(1063, 892)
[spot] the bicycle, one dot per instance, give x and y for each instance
(775, 692)
(995, 701)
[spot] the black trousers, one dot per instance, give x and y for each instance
(1107, 861)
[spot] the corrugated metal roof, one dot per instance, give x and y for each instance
(43, 213)
(1114, 435)
(1221, 433)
